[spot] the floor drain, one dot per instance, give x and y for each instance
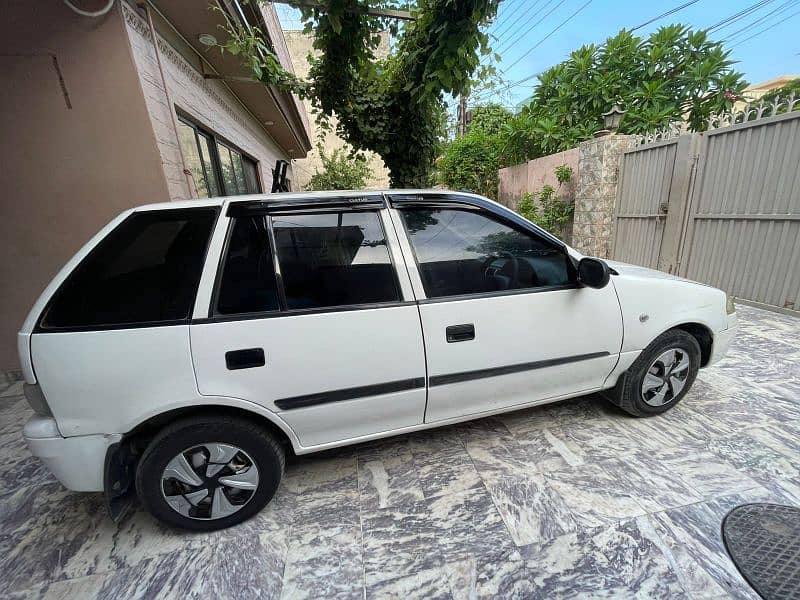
(764, 543)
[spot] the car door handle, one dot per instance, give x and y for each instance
(460, 333)
(247, 358)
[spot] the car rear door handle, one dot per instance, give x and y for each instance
(460, 333)
(247, 358)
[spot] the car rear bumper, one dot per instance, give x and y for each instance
(722, 339)
(77, 462)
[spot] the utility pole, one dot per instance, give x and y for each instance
(462, 115)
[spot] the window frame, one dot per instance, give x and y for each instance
(492, 216)
(337, 206)
(40, 327)
(214, 157)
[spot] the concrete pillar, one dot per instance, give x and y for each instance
(596, 193)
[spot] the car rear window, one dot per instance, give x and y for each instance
(145, 271)
(334, 259)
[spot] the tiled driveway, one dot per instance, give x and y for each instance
(574, 499)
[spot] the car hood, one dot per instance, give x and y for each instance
(624, 269)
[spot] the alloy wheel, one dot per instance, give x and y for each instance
(209, 481)
(666, 377)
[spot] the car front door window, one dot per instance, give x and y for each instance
(462, 251)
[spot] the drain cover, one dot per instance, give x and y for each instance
(764, 543)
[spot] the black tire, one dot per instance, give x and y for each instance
(627, 394)
(266, 452)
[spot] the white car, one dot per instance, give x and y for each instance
(189, 345)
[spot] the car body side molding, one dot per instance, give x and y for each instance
(509, 369)
(363, 391)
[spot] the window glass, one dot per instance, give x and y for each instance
(251, 177)
(334, 259)
(208, 164)
(238, 171)
(228, 174)
(208, 160)
(248, 275)
(466, 252)
(192, 156)
(146, 270)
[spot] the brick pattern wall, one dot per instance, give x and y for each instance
(596, 194)
(209, 102)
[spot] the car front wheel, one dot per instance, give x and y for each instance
(660, 377)
(207, 473)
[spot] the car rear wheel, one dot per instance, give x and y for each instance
(660, 377)
(211, 472)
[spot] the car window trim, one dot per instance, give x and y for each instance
(299, 312)
(305, 205)
(39, 328)
(453, 205)
(214, 316)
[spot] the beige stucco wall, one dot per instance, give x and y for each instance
(533, 175)
(300, 44)
(209, 102)
(66, 170)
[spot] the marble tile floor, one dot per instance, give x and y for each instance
(574, 499)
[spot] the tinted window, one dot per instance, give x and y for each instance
(146, 270)
(334, 259)
(465, 252)
(248, 275)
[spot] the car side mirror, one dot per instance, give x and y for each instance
(593, 272)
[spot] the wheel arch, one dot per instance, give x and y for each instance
(123, 457)
(703, 335)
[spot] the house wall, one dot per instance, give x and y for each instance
(209, 102)
(75, 151)
(300, 44)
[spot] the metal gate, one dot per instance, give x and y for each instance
(730, 210)
(642, 199)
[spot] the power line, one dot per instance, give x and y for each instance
(507, 15)
(532, 27)
(531, 7)
(782, 8)
(736, 16)
(545, 38)
(750, 37)
(666, 14)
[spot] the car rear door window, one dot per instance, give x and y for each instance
(334, 259)
(248, 282)
(463, 251)
(145, 271)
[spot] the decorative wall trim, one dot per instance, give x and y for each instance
(140, 26)
(753, 112)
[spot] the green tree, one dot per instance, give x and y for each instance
(394, 106)
(470, 163)
(675, 74)
(340, 171)
(489, 118)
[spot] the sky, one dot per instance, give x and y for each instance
(516, 30)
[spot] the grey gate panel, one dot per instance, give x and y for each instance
(642, 196)
(743, 230)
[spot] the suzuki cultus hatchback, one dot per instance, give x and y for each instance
(188, 346)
